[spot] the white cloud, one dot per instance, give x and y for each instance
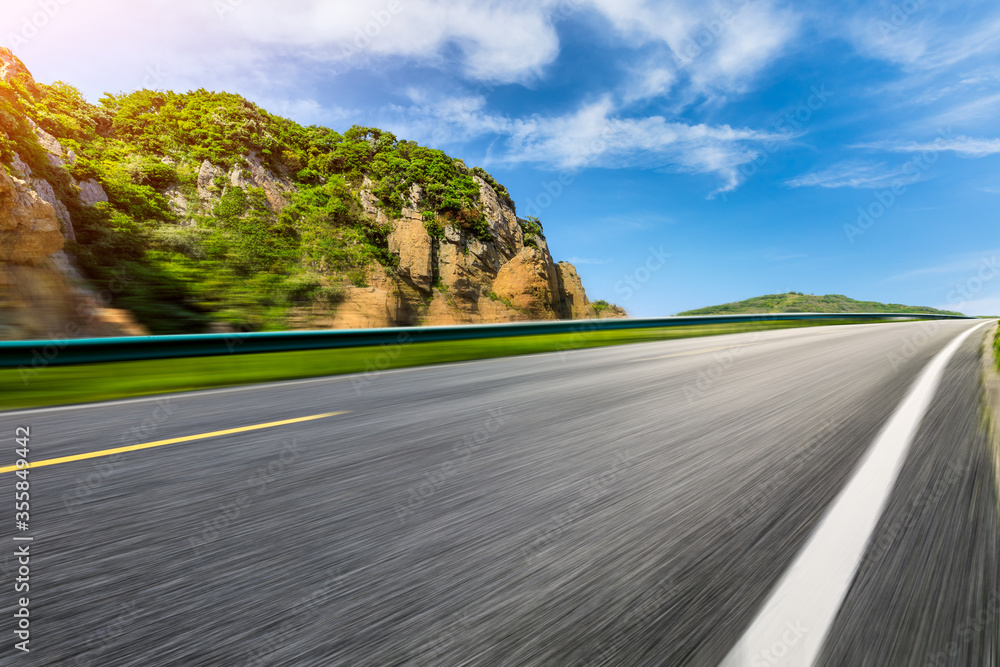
(444, 120)
(712, 47)
(652, 79)
(720, 44)
(498, 41)
(925, 37)
(757, 36)
(505, 42)
(963, 146)
(945, 55)
(593, 135)
(308, 111)
(983, 107)
(853, 174)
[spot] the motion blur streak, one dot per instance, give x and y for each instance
(814, 586)
(655, 527)
(170, 441)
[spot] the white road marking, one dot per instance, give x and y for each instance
(811, 591)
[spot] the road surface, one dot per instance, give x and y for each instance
(631, 505)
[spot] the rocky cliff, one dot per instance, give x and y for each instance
(459, 278)
(451, 278)
(238, 219)
(41, 294)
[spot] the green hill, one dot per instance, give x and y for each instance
(797, 302)
(228, 261)
(202, 209)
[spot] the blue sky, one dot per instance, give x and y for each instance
(848, 147)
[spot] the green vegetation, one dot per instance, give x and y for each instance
(60, 385)
(504, 300)
(237, 256)
(996, 349)
(532, 229)
(499, 189)
(601, 305)
(797, 302)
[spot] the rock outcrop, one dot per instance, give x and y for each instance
(29, 228)
(11, 67)
(438, 271)
(411, 242)
(255, 174)
(92, 193)
(611, 312)
(38, 299)
(573, 299)
(529, 284)
(458, 278)
(210, 177)
(41, 293)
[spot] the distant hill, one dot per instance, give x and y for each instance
(797, 302)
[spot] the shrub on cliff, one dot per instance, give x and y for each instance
(245, 262)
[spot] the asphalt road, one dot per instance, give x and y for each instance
(632, 505)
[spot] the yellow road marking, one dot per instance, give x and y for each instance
(688, 354)
(171, 441)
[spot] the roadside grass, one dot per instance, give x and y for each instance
(996, 348)
(991, 404)
(85, 383)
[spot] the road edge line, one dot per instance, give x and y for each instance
(807, 598)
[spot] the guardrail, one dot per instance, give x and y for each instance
(14, 354)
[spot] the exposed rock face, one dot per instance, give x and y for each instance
(178, 203)
(91, 192)
(365, 307)
(41, 295)
(409, 239)
(35, 302)
(37, 298)
(45, 191)
(8, 64)
(457, 279)
(528, 283)
(462, 279)
(206, 178)
(11, 66)
(612, 312)
(503, 222)
(29, 228)
(22, 169)
(573, 302)
(113, 322)
(51, 146)
(274, 187)
(38, 302)
(253, 175)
